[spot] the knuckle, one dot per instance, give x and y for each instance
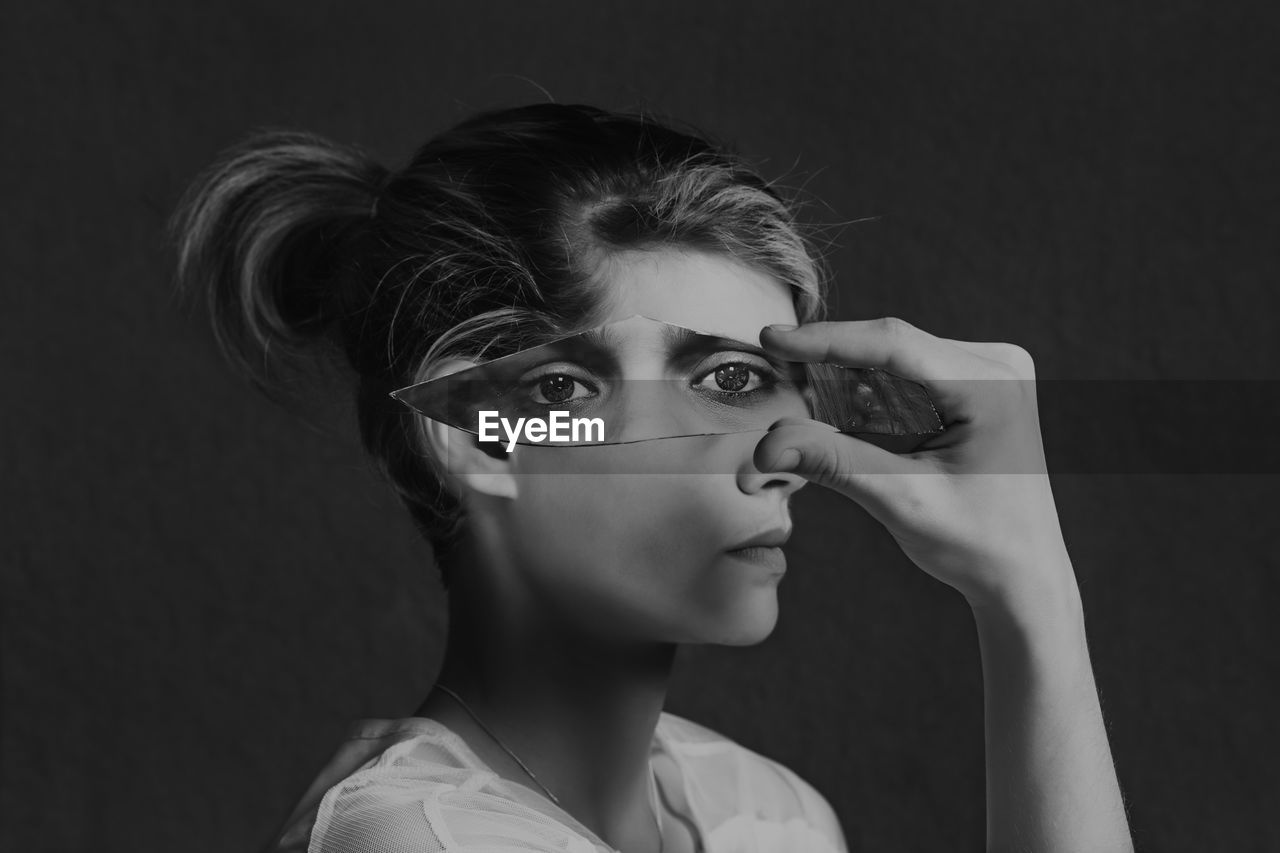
(914, 504)
(1017, 358)
(911, 507)
(895, 327)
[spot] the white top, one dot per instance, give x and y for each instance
(414, 786)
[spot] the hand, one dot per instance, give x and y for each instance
(972, 506)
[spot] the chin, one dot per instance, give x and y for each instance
(749, 623)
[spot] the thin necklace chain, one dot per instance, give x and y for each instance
(653, 780)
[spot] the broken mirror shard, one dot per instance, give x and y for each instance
(874, 405)
(640, 379)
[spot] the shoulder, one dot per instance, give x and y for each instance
(420, 791)
(411, 787)
(733, 781)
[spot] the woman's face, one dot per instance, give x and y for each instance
(688, 551)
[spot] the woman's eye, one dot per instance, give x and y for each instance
(733, 377)
(559, 388)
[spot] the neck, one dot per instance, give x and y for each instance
(577, 708)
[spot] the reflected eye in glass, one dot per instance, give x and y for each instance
(733, 377)
(554, 388)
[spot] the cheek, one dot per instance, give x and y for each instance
(620, 526)
(642, 555)
(642, 541)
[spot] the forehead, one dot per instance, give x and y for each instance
(698, 290)
(613, 343)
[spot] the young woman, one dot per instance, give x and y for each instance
(570, 591)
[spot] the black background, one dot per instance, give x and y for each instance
(201, 592)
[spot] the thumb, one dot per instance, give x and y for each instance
(819, 453)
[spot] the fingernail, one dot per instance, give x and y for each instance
(782, 327)
(787, 460)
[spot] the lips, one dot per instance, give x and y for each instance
(769, 558)
(773, 538)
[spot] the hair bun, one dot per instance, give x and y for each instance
(266, 235)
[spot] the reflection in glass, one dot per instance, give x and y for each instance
(639, 379)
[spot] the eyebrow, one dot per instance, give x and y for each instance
(601, 345)
(593, 345)
(685, 342)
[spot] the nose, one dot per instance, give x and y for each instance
(648, 408)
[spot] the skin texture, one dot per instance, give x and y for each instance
(975, 510)
(576, 589)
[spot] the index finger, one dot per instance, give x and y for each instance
(944, 369)
(886, 343)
